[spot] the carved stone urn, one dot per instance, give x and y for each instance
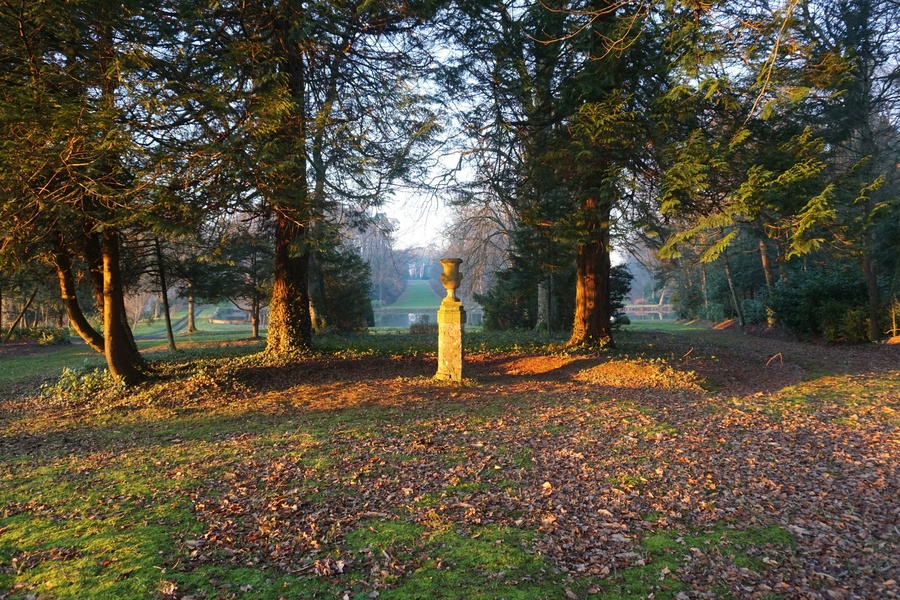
(451, 277)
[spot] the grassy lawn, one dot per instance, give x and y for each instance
(682, 463)
(39, 364)
(418, 295)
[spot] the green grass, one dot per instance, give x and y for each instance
(662, 325)
(668, 551)
(417, 295)
(46, 362)
(482, 563)
(89, 528)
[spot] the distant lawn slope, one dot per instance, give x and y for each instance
(418, 294)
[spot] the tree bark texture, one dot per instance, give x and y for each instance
(318, 301)
(121, 357)
(767, 267)
(92, 250)
(164, 294)
(21, 315)
(543, 311)
(254, 318)
(290, 325)
(593, 312)
(730, 277)
(191, 319)
(63, 263)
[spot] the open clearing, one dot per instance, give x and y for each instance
(693, 464)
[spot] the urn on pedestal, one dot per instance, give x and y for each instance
(451, 324)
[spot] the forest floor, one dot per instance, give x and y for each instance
(694, 464)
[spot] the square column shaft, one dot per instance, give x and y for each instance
(451, 319)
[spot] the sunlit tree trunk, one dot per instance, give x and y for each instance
(121, 357)
(593, 312)
(317, 298)
(290, 326)
(79, 322)
(767, 267)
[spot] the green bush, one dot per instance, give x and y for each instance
(714, 312)
(82, 385)
(45, 336)
(754, 311)
(423, 328)
(830, 303)
(855, 326)
(511, 303)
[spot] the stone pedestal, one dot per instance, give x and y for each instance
(451, 319)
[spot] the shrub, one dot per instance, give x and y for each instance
(754, 311)
(423, 328)
(823, 302)
(82, 385)
(620, 319)
(45, 336)
(714, 312)
(54, 337)
(855, 326)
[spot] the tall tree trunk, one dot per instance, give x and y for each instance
(593, 312)
(317, 300)
(21, 315)
(734, 298)
(77, 320)
(543, 300)
(121, 358)
(871, 275)
(290, 326)
(92, 250)
(767, 267)
(164, 294)
(191, 321)
(703, 288)
(254, 318)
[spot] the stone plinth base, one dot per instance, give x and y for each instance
(451, 319)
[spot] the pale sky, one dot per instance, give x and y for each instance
(422, 221)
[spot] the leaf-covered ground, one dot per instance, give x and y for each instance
(701, 465)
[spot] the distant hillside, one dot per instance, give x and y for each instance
(417, 295)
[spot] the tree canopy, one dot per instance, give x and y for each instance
(748, 143)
